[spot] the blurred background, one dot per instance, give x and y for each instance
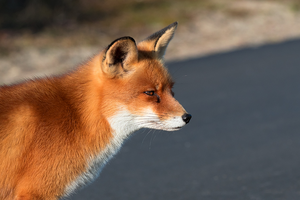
(40, 37)
(236, 66)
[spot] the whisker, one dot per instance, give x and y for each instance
(151, 139)
(146, 135)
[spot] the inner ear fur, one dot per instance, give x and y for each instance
(159, 41)
(119, 57)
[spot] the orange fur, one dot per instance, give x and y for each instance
(53, 129)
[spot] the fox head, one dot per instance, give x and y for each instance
(137, 86)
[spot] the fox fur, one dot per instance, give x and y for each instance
(57, 133)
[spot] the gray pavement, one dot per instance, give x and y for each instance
(243, 142)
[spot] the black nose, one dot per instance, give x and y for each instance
(186, 118)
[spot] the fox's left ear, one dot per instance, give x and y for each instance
(119, 57)
(158, 42)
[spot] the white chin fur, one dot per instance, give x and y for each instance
(149, 119)
(124, 122)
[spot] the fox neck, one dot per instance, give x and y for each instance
(122, 125)
(105, 134)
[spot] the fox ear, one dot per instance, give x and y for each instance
(119, 57)
(158, 42)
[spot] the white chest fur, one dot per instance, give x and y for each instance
(123, 124)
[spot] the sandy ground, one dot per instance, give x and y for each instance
(243, 24)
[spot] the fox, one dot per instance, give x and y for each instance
(58, 132)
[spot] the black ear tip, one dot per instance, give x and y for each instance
(121, 38)
(124, 38)
(175, 24)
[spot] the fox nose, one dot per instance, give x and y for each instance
(186, 118)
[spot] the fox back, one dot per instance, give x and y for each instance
(57, 133)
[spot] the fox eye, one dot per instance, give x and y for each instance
(150, 93)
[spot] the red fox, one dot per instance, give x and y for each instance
(57, 133)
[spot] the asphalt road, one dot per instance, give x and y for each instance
(243, 142)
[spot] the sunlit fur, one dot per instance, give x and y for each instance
(57, 133)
